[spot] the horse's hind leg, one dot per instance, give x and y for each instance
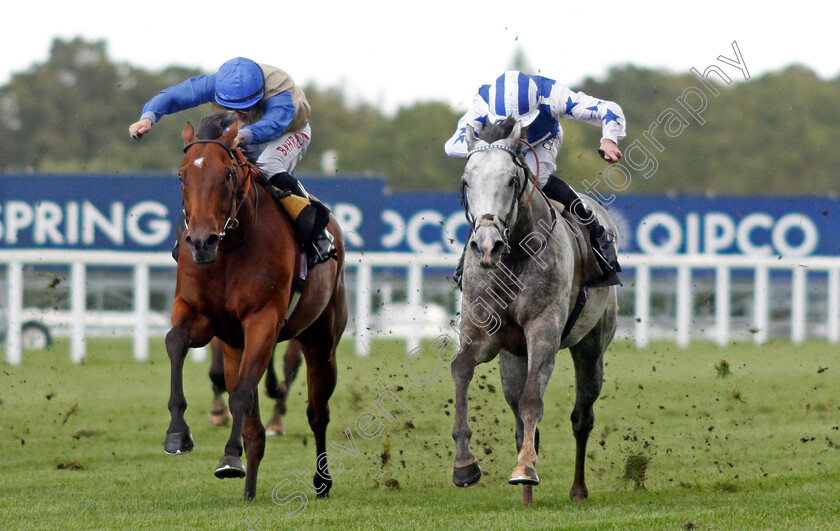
(588, 357)
(253, 435)
(219, 414)
(280, 391)
(319, 346)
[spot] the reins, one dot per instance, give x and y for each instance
(238, 161)
(537, 176)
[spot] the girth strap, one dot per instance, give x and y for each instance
(580, 302)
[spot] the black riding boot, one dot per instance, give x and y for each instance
(311, 221)
(458, 275)
(179, 231)
(602, 239)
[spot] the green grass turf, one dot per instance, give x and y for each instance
(757, 449)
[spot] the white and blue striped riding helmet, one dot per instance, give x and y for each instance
(514, 94)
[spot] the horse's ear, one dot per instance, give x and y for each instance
(230, 135)
(188, 134)
(470, 136)
(515, 134)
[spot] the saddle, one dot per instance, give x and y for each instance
(589, 263)
(590, 270)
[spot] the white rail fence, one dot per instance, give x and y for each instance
(367, 266)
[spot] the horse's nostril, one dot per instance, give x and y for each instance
(498, 246)
(473, 245)
(213, 239)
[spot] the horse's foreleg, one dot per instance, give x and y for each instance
(241, 378)
(466, 472)
(188, 329)
(589, 371)
(541, 353)
(179, 440)
(254, 438)
(514, 372)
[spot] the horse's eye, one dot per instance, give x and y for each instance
(512, 182)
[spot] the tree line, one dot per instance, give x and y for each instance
(769, 135)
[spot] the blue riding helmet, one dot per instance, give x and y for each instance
(240, 84)
(516, 95)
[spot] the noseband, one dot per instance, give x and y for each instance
(518, 190)
(231, 222)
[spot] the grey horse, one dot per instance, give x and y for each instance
(522, 278)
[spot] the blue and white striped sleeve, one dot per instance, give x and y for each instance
(566, 103)
(476, 116)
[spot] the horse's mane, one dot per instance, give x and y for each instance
(213, 126)
(497, 130)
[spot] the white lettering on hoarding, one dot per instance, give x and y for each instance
(92, 219)
(720, 231)
(18, 216)
(415, 225)
(158, 226)
(49, 223)
(349, 217)
(395, 220)
(799, 222)
(644, 235)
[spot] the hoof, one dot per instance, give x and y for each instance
(179, 443)
(219, 413)
(322, 486)
(274, 428)
(219, 419)
(466, 476)
(230, 467)
(578, 494)
(524, 475)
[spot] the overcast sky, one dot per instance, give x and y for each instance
(395, 53)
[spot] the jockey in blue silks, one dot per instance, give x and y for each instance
(537, 103)
(274, 132)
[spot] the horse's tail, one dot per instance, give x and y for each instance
(271, 381)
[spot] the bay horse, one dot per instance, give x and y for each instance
(523, 276)
(275, 389)
(236, 284)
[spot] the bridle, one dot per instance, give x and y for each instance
(238, 162)
(518, 191)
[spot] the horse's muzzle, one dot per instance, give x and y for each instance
(204, 248)
(487, 244)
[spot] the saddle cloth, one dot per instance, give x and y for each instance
(589, 263)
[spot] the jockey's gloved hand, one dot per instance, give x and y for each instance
(140, 128)
(609, 150)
